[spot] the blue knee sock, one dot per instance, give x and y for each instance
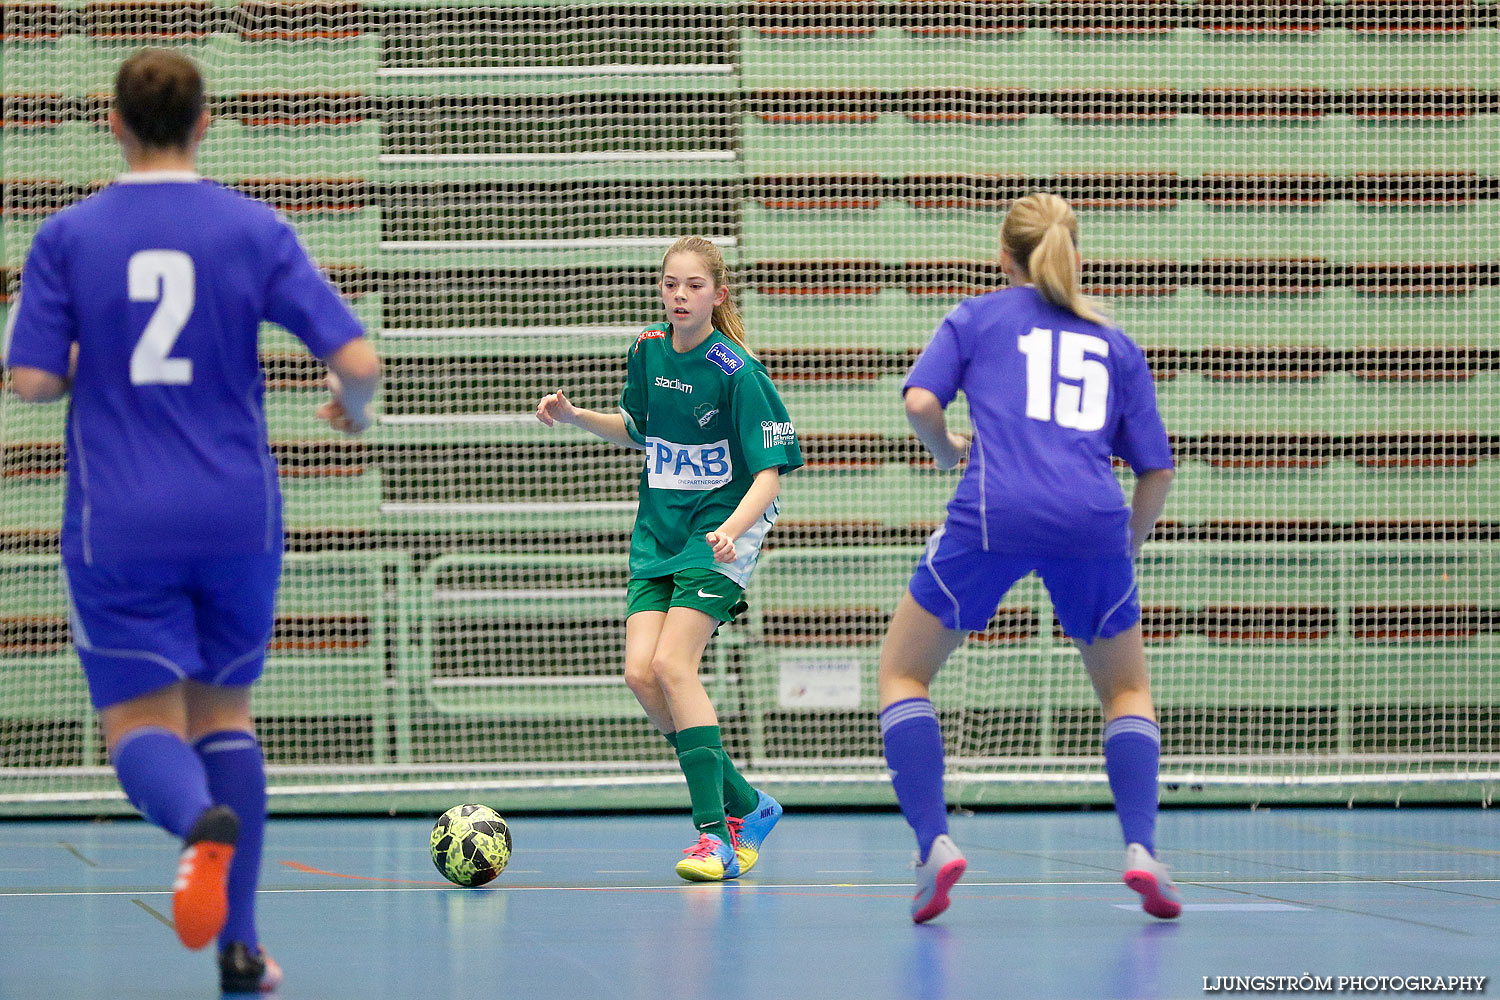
(237, 778)
(162, 777)
(1132, 751)
(914, 751)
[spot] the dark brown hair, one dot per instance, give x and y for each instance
(159, 95)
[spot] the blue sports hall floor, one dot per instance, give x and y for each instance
(590, 907)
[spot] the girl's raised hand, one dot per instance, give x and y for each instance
(555, 408)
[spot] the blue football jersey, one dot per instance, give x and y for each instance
(162, 280)
(1051, 397)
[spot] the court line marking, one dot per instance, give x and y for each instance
(417, 886)
(1399, 842)
(1349, 880)
(154, 913)
(77, 854)
(310, 870)
(1429, 885)
(1229, 907)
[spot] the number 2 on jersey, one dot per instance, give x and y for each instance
(1083, 382)
(166, 278)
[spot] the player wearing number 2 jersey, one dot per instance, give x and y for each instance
(145, 302)
(1054, 390)
(717, 440)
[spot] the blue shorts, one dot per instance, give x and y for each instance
(141, 625)
(1094, 598)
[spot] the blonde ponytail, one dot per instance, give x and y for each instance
(726, 318)
(1041, 234)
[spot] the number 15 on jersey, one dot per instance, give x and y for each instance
(1080, 396)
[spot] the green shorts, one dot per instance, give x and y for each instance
(705, 590)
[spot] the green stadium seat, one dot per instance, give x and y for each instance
(1398, 59)
(1389, 679)
(1194, 404)
(42, 678)
(73, 152)
(258, 65)
(819, 61)
(1252, 679)
(890, 320)
(1421, 494)
(351, 237)
(889, 495)
(233, 150)
(1250, 59)
(1399, 144)
(1434, 575)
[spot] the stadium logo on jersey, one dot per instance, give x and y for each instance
(672, 466)
(672, 383)
(775, 433)
(705, 414)
(725, 359)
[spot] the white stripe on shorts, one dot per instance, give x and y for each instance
(932, 545)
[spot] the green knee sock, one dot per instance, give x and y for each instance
(701, 757)
(740, 797)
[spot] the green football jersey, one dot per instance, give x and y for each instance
(709, 420)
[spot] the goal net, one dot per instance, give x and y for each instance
(1291, 207)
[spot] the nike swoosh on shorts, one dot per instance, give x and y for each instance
(702, 594)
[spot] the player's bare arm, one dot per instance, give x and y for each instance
(925, 414)
(37, 385)
(354, 378)
(1147, 502)
(555, 408)
(763, 489)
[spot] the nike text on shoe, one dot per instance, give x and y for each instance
(1149, 877)
(709, 860)
(750, 831)
(200, 903)
(944, 866)
(241, 971)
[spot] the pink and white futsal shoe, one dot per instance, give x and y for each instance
(944, 866)
(1149, 877)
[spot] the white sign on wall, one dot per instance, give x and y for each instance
(819, 683)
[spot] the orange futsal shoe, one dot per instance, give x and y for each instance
(200, 901)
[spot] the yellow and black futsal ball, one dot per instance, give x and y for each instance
(470, 844)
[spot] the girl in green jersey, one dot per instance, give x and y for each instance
(717, 441)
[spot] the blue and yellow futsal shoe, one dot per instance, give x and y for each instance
(750, 831)
(709, 860)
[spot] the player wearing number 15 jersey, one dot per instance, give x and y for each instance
(144, 302)
(1054, 390)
